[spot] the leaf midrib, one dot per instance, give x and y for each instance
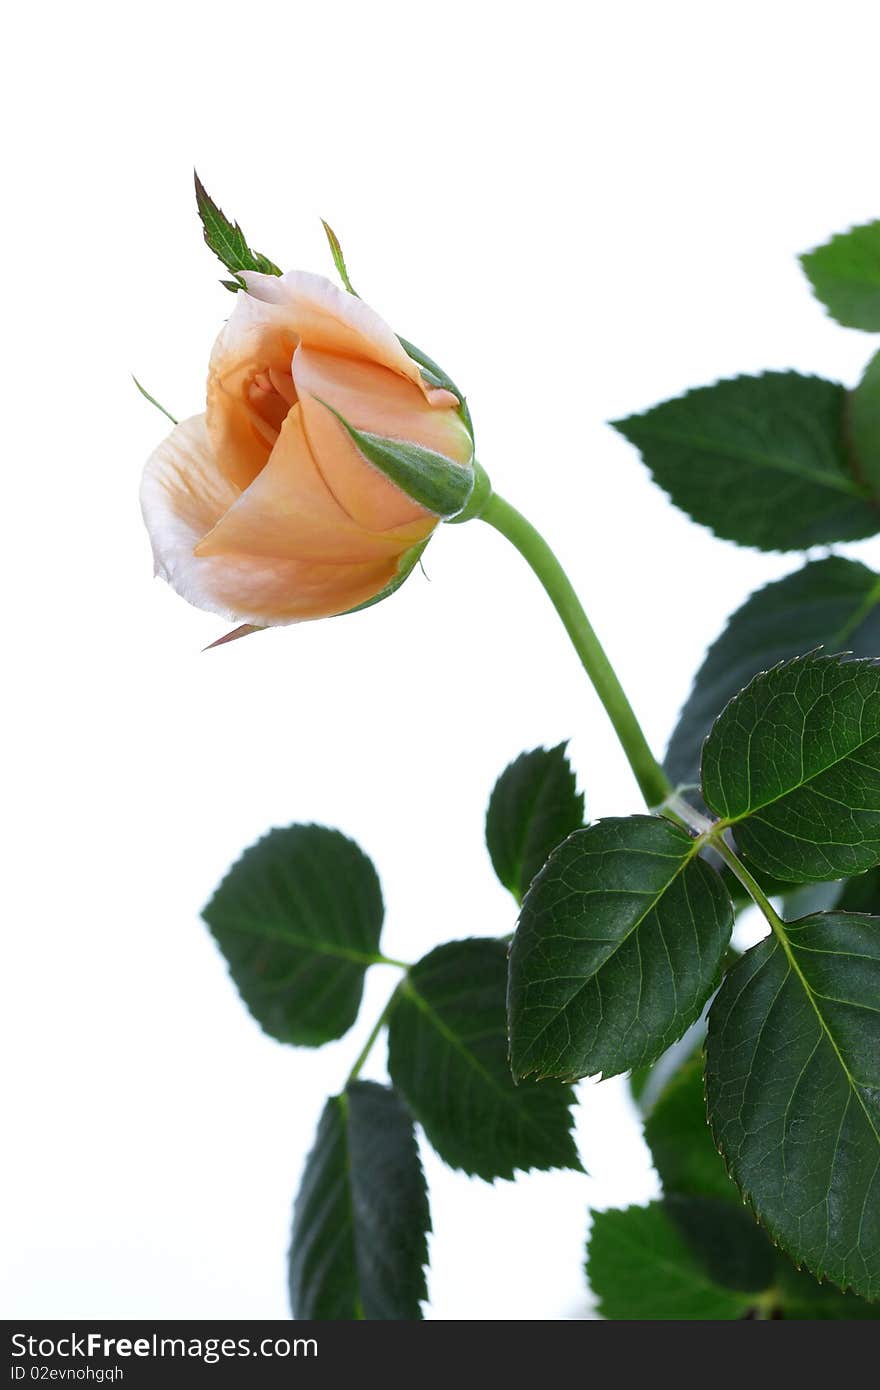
(410, 991)
(834, 482)
(694, 850)
(287, 938)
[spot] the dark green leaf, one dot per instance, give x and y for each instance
(793, 764)
(534, 806)
(832, 603)
(227, 240)
(864, 424)
(678, 1135)
(640, 1266)
(619, 945)
(726, 1239)
(431, 479)
(861, 894)
(298, 919)
(793, 1085)
(761, 460)
(359, 1243)
(801, 1298)
(845, 275)
(447, 1053)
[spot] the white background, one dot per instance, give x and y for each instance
(580, 210)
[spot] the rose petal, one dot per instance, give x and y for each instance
(373, 399)
(289, 512)
(324, 316)
(184, 494)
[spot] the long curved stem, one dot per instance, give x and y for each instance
(653, 782)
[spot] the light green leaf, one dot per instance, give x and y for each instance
(640, 1267)
(534, 806)
(447, 1053)
(845, 275)
(359, 1243)
(619, 945)
(832, 603)
(298, 919)
(793, 765)
(793, 1086)
(227, 240)
(762, 461)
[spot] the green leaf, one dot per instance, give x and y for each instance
(534, 806)
(762, 461)
(793, 1086)
(801, 1298)
(447, 1053)
(861, 894)
(619, 945)
(640, 1266)
(431, 479)
(845, 275)
(793, 764)
(678, 1135)
(832, 603)
(864, 425)
(227, 240)
(361, 1219)
(298, 919)
(726, 1239)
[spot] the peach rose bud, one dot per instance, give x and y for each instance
(322, 464)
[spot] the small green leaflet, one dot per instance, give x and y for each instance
(793, 764)
(298, 919)
(619, 945)
(227, 240)
(338, 258)
(832, 603)
(359, 1245)
(431, 479)
(534, 806)
(640, 1266)
(793, 1087)
(762, 461)
(447, 1054)
(845, 275)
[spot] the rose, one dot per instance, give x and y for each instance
(271, 507)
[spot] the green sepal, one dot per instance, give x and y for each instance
(405, 566)
(429, 478)
(338, 258)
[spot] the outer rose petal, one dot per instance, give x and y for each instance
(374, 399)
(289, 512)
(183, 495)
(324, 316)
